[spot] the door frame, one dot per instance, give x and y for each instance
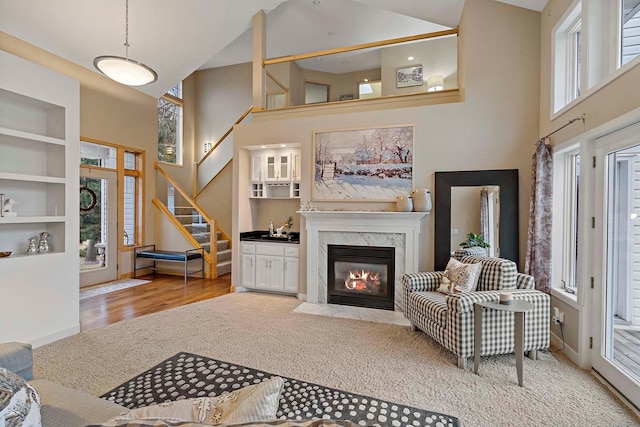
(601, 302)
(110, 271)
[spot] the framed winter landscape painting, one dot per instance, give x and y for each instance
(373, 164)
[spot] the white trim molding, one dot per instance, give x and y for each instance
(398, 229)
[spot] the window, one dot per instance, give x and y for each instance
(629, 30)
(170, 107)
(566, 220)
(568, 42)
(94, 155)
(570, 252)
(97, 155)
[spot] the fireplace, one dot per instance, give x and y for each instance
(361, 276)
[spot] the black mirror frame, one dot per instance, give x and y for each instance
(507, 179)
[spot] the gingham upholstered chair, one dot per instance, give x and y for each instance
(448, 319)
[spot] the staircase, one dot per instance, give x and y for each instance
(200, 230)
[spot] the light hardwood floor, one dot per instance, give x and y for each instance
(164, 292)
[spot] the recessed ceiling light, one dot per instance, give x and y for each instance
(316, 2)
(331, 33)
(366, 80)
(263, 146)
(283, 145)
(411, 58)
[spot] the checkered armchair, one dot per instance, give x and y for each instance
(449, 318)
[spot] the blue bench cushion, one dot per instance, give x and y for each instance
(168, 255)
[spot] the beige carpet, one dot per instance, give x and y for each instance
(381, 360)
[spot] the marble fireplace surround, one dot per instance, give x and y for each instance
(388, 229)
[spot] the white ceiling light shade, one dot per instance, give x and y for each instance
(125, 70)
(435, 83)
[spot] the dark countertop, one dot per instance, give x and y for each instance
(263, 236)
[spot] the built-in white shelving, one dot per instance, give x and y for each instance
(39, 168)
(275, 173)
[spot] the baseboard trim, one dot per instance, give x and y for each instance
(38, 342)
(302, 297)
(568, 351)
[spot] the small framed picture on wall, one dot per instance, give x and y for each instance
(409, 76)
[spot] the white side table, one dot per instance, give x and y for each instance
(519, 308)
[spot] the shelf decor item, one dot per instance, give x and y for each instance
(421, 200)
(1, 205)
(5, 254)
(404, 204)
(43, 245)
(7, 207)
(33, 247)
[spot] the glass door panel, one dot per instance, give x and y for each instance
(617, 303)
(622, 311)
(98, 227)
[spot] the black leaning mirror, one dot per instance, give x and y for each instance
(507, 180)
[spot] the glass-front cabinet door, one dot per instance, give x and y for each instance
(284, 167)
(271, 167)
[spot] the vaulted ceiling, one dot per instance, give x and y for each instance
(177, 37)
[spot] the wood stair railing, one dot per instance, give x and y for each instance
(212, 256)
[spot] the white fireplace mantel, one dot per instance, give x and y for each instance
(368, 225)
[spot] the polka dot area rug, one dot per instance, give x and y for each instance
(186, 375)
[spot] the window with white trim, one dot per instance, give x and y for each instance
(629, 30)
(565, 220)
(170, 107)
(568, 58)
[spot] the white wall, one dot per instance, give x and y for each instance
(437, 57)
(494, 128)
(606, 105)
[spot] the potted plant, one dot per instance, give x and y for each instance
(475, 241)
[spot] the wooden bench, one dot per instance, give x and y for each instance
(150, 253)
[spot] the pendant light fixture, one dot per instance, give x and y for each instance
(125, 70)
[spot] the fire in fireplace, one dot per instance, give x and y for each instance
(361, 276)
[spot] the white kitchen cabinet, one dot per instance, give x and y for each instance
(257, 168)
(276, 173)
(270, 272)
(270, 266)
(248, 266)
(278, 165)
(39, 168)
(296, 174)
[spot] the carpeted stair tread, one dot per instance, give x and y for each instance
(224, 255)
(224, 268)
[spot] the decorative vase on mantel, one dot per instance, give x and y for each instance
(404, 203)
(421, 200)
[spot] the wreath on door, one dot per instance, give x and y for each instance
(93, 199)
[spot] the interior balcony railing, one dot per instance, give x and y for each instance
(218, 156)
(200, 230)
(404, 66)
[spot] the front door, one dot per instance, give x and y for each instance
(98, 226)
(616, 337)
